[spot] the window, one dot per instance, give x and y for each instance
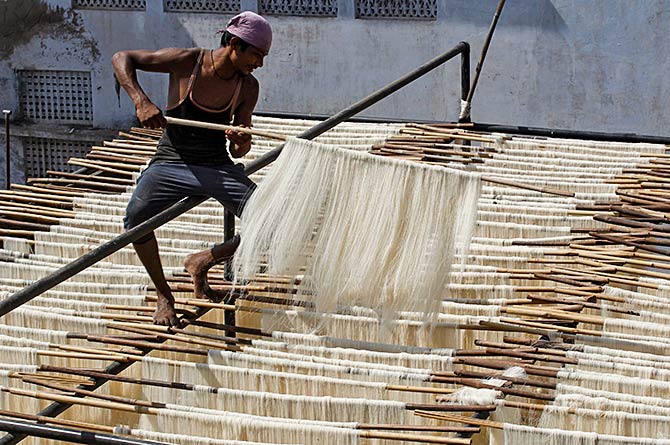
(396, 9)
(125, 5)
(56, 96)
(42, 154)
(221, 6)
(319, 8)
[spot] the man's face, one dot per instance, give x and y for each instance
(248, 59)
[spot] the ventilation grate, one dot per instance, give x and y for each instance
(56, 96)
(42, 154)
(220, 6)
(396, 9)
(123, 5)
(311, 8)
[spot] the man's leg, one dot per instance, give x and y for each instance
(231, 187)
(148, 254)
(159, 186)
(198, 264)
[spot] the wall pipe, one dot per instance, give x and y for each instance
(83, 262)
(31, 291)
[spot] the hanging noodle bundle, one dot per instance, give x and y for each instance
(371, 231)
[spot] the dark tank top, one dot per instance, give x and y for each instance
(191, 145)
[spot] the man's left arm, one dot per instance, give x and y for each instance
(240, 143)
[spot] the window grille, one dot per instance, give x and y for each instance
(56, 96)
(221, 6)
(318, 8)
(42, 154)
(396, 9)
(124, 5)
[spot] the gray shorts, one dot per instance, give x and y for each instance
(165, 183)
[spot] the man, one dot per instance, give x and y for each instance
(205, 85)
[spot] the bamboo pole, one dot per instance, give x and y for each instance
(110, 167)
(208, 125)
(460, 419)
(135, 147)
(427, 428)
(44, 190)
(550, 191)
(55, 421)
(413, 438)
(136, 137)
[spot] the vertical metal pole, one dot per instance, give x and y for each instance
(229, 233)
(465, 78)
(7, 152)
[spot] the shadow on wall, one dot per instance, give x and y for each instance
(535, 13)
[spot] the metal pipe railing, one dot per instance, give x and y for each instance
(70, 435)
(465, 74)
(31, 291)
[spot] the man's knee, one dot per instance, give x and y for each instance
(136, 214)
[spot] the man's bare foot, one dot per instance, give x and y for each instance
(165, 314)
(198, 264)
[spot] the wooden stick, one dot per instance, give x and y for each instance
(413, 438)
(93, 394)
(437, 429)
(420, 389)
(71, 400)
(563, 329)
(460, 419)
(178, 338)
(82, 356)
(44, 190)
(148, 150)
(136, 137)
(146, 345)
(451, 408)
(571, 316)
(208, 125)
(547, 190)
(517, 381)
(55, 421)
(111, 167)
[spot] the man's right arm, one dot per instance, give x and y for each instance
(169, 60)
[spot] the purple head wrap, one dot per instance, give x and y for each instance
(252, 28)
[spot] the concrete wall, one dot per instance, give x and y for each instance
(589, 65)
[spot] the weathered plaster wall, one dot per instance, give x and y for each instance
(596, 65)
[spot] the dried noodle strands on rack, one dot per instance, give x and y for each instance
(371, 231)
